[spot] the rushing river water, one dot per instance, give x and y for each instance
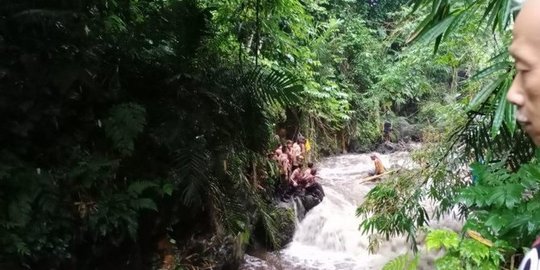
(328, 237)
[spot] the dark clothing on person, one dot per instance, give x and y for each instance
(387, 127)
(386, 130)
(315, 189)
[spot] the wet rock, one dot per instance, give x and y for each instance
(406, 131)
(390, 147)
(313, 196)
(310, 201)
(285, 224)
(219, 252)
(286, 215)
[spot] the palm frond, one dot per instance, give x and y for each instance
(446, 16)
(193, 175)
(273, 87)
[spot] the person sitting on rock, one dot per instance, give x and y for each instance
(311, 178)
(379, 167)
(313, 187)
(295, 183)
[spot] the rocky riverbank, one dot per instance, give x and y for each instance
(287, 215)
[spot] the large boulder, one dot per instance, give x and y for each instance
(390, 147)
(286, 215)
(404, 131)
(285, 224)
(313, 196)
(223, 252)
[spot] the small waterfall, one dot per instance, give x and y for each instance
(328, 237)
(299, 211)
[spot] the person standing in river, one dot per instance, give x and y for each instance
(525, 89)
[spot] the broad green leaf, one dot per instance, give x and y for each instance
(442, 238)
(486, 92)
(497, 66)
(505, 13)
(474, 250)
(136, 188)
(499, 114)
(448, 263)
(497, 222)
(168, 189)
(436, 31)
(510, 117)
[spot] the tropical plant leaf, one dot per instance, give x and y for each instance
(193, 176)
(436, 31)
(124, 123)
(437, 239)
(403, 262)
(487, 92)
(136, 188)
(499, 116)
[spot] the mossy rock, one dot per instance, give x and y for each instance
(284, 221)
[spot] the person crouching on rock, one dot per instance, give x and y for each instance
(313, 187)
(295, 181)
(379, 167)
(310, 179)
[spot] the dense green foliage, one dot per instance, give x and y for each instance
(402, 262)
(121, 125)
(125, 122)
(496, 194)
(464, 253)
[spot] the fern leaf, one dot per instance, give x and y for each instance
(402, 262)
(136, 188)
(144, 203)
(125, 122)
(193, 175)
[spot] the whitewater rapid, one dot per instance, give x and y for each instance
(328, 237)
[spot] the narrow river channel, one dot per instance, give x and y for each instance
(328, 237)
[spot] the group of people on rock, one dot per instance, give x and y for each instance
(297, 175)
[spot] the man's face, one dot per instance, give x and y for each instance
(525, 48)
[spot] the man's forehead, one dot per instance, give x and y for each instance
(526, 30)
(529, 14)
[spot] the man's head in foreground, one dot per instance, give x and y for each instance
(525, 48)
